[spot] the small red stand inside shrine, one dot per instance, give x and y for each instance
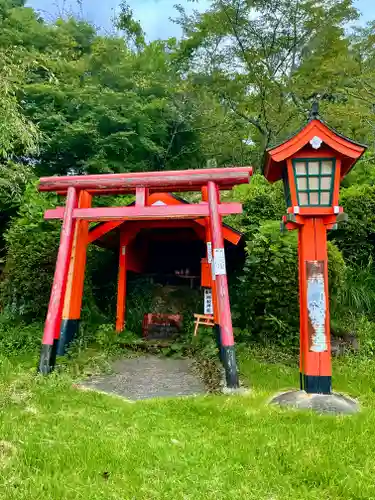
(66, 295)
(311, 165)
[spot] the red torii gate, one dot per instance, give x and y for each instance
(67, 288)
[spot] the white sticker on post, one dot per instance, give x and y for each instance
(208, 306)
(123, 250)
(209, 252)
(219, 262)
(212, 271)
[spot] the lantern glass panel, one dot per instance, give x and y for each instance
(302, 183)
(325, 198)
(327, 166)
(304, 199)
(314, 181)
(314, 198)
(326, 183)
(313, 168)
(300, 167)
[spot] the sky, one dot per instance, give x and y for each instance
(153, 14)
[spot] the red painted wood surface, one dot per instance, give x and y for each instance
(183, 180)
(141, 195)
(206, 275)
(187, 211)
(77, 266)
(208, 239)
(55, 307)
(316, 211)
(121, 285)
(222, 294)
(151, 319)
(313, 247)
(103, 229)
(229, 233)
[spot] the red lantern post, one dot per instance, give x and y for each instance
(311, 165)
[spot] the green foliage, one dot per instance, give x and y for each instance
(131, 28)
(31, 255)
(139, 302)
(365, 332)
(356, 238)
(17, 133)
(267, 298)
(266, 68)
(358, 292)
(261, 201)
(13, 180)
(106, 338)
(17, 338)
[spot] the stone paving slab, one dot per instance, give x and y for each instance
(148, 377)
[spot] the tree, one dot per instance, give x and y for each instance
(266, 60)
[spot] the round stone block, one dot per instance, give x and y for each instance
(336, 404)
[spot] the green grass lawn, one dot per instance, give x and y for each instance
(57, 442)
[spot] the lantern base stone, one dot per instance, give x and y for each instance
(336, 404)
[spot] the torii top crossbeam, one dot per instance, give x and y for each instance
(177, 181)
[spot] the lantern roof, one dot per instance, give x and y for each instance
(312, 136)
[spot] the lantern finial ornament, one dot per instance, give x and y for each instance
(314, 113)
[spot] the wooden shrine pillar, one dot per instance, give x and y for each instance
(121, 284)
(228, 356)
(76, 278)
(209, 257)
(141, 196)
(55, 308)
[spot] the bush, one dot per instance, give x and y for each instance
(32, 245)
(18, 337)
(356, 238)
(261, 201)
(266, 301)
(365, 332)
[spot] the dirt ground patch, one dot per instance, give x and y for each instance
(146, 377)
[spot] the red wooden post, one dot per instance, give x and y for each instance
(228, 357)
(55, 307)
(121, 286)
(315, 345)
(141, 195)
(76, 278)
(210, 262)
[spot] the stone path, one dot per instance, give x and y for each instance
(147, 377)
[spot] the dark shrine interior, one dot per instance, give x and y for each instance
(173, 255)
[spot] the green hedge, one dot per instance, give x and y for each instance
(266, 300)
(356, 238)
(31, 244)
